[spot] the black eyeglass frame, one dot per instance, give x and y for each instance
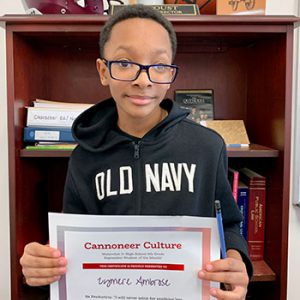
(108, 64)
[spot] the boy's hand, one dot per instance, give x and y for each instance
(230, 271)
(41, 264)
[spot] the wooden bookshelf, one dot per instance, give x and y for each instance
(45, 153)
(262, 272)
(251, 151)
(247, 61)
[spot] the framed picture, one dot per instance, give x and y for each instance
(200, 103)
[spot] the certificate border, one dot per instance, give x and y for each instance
(206, 232)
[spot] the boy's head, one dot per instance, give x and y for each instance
(137, 11)
(137, 49)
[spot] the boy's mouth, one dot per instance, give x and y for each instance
(140, 99)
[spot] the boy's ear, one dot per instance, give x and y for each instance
(102, 71)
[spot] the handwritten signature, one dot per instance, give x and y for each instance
(140, 281)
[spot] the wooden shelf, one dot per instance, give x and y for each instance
(262, 272)
(252, 151)
(45, 153)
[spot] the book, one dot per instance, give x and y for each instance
(35, 134)
(233, 177)
(242, 202)
(52, 117)
(256, 211)
(60, 104)
(200, 103)
(61, 146)
(232, 131)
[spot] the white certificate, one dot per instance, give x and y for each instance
(133, 257)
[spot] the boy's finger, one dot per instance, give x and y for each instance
(36, 249)
(227, 264)
(236, 294)
(41, 281)
(43, 272)
(232, 278)
(43, 262)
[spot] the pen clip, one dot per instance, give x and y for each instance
(220, 228)
(218, 206)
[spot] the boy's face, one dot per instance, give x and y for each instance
(146, 42)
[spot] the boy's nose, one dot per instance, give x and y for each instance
(143, 79)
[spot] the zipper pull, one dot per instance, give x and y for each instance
(136, 146)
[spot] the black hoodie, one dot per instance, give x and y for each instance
(177, 168)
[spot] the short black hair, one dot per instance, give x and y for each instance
(137, 11)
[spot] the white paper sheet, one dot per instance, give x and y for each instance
(133, 257)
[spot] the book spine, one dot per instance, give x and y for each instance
(48, 117)
(256, 222)
(243, 206)
(235, 184)
(233, 176)
(51, 147)
(36, 134)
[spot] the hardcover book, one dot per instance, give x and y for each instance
(256, 212)
(242, 202)
(54, 146)
(60, 104)
(56, 134)
(53, 117)
(200, 103)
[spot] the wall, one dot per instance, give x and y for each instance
(274, 7)
(6, 7)
(294, 216)
(282, 7)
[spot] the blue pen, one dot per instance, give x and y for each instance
(220, 228)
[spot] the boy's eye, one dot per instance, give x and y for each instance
(124, 64)
(160, 68)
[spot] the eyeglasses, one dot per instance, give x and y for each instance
(124, 70)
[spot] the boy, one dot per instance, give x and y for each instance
(139, 154)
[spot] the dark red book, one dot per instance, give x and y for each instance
(256, 212)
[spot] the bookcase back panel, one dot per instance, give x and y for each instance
(73, 76)
(62, 73)
(26, 70)
(40, 190)
(29, 69)
(42, 182)
(224, 72)
(268, 122)
(266, 93)
(57, 170)
(28, 208)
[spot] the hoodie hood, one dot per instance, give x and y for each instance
(95, 129)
